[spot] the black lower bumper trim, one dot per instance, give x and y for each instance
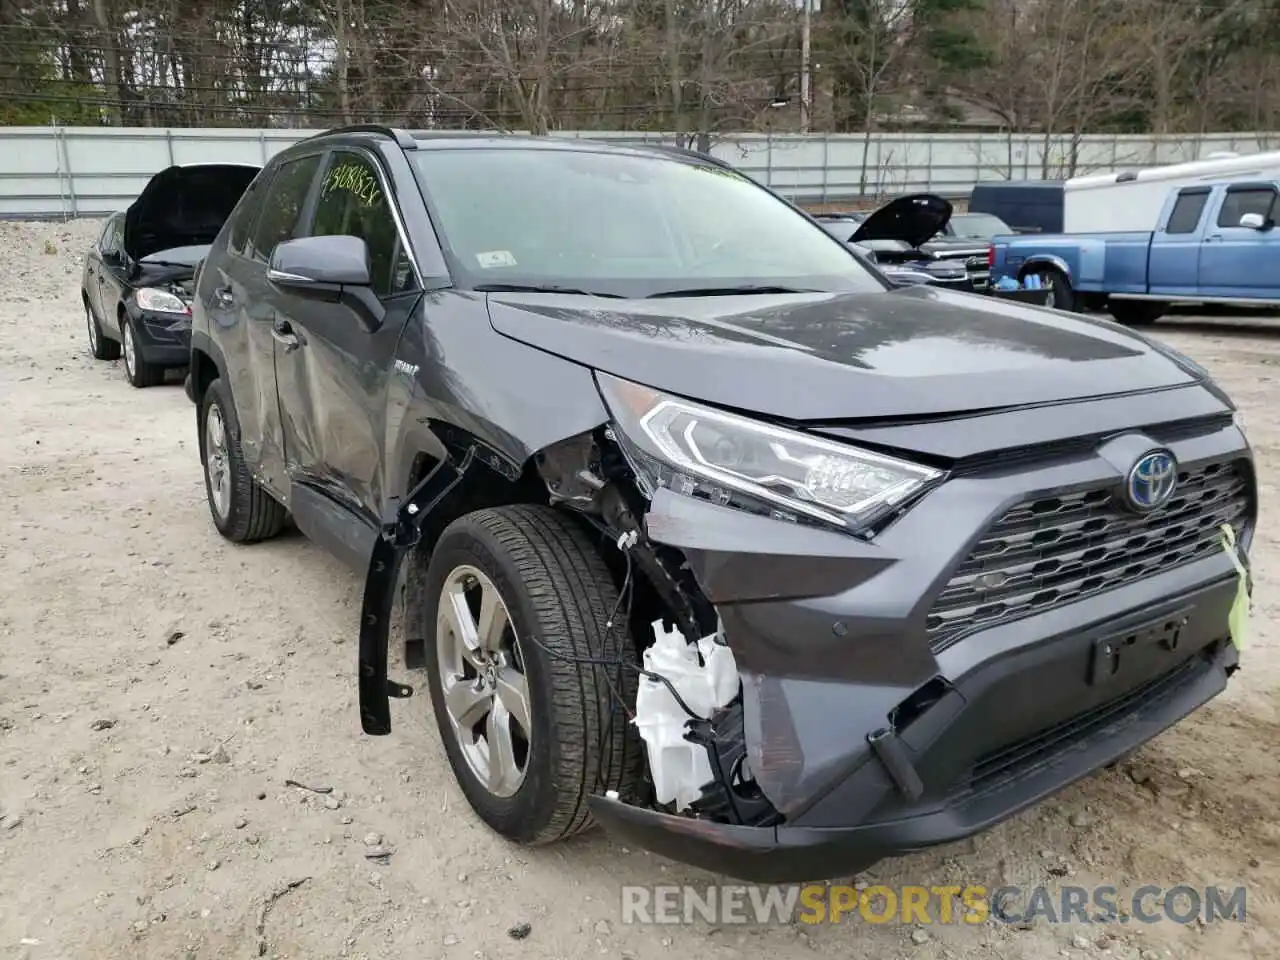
(786, 854)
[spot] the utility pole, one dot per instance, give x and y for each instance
(806, 97)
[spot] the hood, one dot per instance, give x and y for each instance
(955, 247)
(914, 352)
(184, 206)
(915, 219)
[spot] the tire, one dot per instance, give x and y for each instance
(1136, 313)
(140, 373)
(1061, 294)
(557, 591)
(100, 346)
(242, 510)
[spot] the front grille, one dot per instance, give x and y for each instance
(1055, 550)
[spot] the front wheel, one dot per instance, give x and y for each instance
(517, 597)
(1061, 295)
(242, 509)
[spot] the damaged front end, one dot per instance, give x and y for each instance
(802, 714)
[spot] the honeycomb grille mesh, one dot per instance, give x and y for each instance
(1051, 551)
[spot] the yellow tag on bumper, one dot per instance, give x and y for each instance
(1238, 618)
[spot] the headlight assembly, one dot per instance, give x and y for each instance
(159, 301)
(707, 453)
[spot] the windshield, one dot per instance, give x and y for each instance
(978, 226)
(624, 225)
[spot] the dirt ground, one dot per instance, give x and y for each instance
(158, 686)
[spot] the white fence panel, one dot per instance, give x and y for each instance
(58, 172)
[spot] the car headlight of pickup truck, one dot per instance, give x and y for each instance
(159, 301)
(717, 456)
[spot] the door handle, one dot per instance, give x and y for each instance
(282, 333)
(223, 297)
(1213, 239)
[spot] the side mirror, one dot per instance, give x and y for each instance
(329, 269)
(312, 262)
(1253, 221)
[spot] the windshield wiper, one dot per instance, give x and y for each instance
(540, 288)
(727, 291)
(165, 263)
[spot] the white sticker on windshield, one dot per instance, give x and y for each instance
(495, 258)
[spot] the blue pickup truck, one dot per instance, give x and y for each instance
(1212, 244)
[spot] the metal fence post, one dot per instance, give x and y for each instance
(168, 142)
(768, 158)
(64, 161)
(262, 145)
(826, 164)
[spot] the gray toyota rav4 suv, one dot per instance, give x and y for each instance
(702, 530)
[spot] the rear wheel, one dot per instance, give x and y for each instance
(1061, 295)
(242, 509)
(100, 347)
(1136, 313)
(136, 368)
(513, 596)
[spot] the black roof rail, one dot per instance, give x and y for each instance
(403, 139)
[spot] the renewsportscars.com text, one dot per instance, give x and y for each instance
(911, 904)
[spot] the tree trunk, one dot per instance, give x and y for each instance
(111, 62)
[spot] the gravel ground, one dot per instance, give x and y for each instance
(159, 686)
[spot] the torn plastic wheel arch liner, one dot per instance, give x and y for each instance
(401, 532)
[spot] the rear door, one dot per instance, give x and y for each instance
(332, 370)
(1240, 262)
(1174, 260)
(96, 266)
(243, 306)
(110, 281)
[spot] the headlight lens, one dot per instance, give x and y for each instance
(161, 301)
(704, 452)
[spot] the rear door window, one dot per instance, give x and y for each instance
(245, 217)
(113, 235)
(282, 206)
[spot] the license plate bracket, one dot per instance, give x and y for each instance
(1112, 654)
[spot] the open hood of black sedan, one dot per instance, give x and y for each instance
(915, 219)
(184, 205)
(918, 352)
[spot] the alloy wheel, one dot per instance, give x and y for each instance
(216, 461)
(130, 349)
(482, 675)
(93, 329)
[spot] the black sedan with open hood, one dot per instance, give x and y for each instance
(892, 237)
(138, 276)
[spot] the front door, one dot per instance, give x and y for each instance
(1240, 262)
(244, 300)
(333, 371)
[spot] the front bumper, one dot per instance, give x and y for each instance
(830, 637)
(163, 339)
